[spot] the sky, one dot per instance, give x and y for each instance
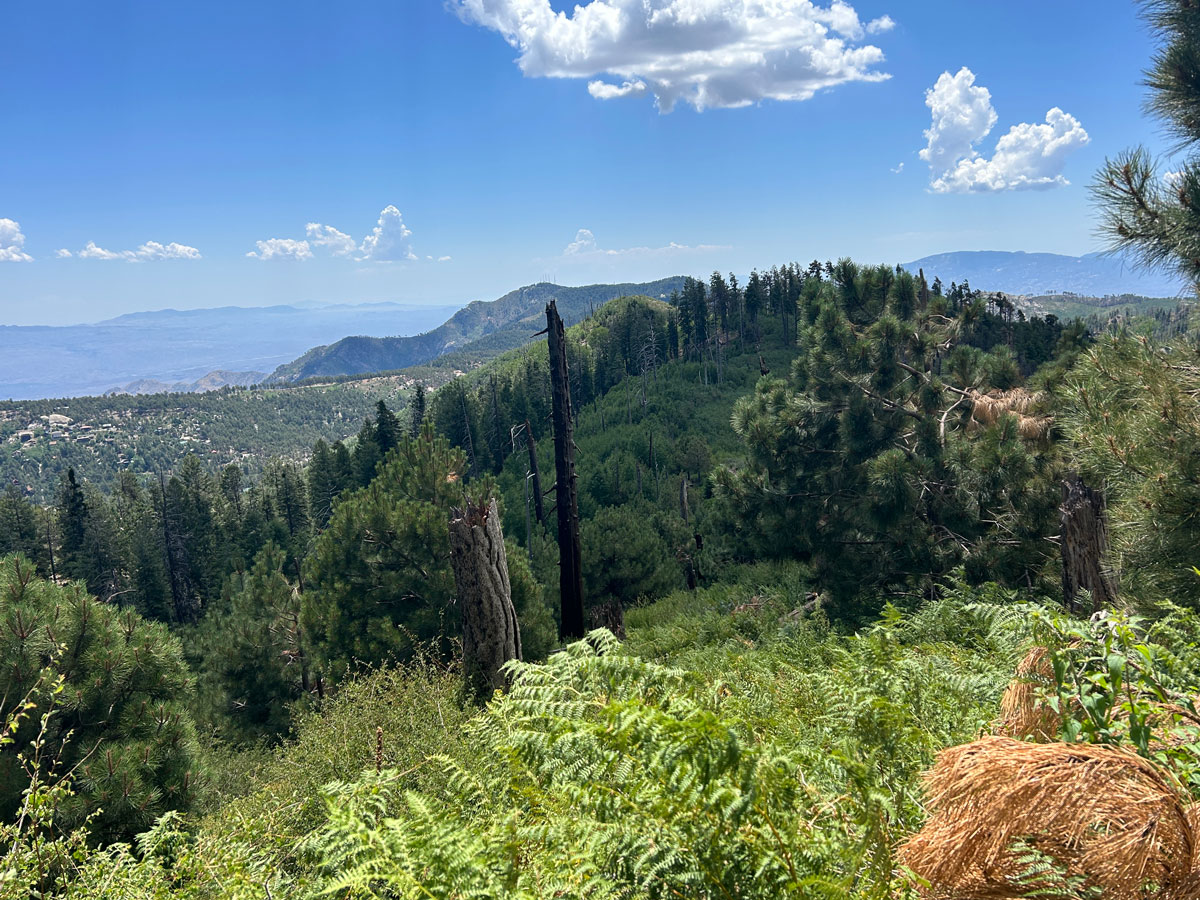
(189, 155)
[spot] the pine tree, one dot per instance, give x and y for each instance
(323, 485)
(72, 528)
(252, 653)
(416, 408)
(379, 577)
(1154, 218)
(121, 725)
(862, 465)
(367, 453)
(18, 528)
(387, 428)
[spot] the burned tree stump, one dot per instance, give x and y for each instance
(570, 567)
(1084, 538)
(491, 636)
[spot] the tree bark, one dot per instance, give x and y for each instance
(538, 509)
(609, 614)
(491, 636)
(570, 554)
(1084, 546)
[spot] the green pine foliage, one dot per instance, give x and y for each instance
(121, 726)
(378, 579)
(251, 655)
(1129, 409)
(866, 463)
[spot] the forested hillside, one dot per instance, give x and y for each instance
(823, 581)
(487, 326)
(143, 435)
(765, 469)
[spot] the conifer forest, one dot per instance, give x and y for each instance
(826, 579)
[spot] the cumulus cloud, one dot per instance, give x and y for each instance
(147, 252)
(281, 248)
(391, 239)
(709, 53)
(327, 237)
(585, 247)
(602, 90)
(11, 242)
(584, 242)
(1028, 156)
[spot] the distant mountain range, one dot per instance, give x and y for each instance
(1094, 275)
(488, 327)
(197, 350)
(211, 382)
(172, 346)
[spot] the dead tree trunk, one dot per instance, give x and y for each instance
(611, 615)
(538, 509)
(570, 555)
(491, 636)
(1084, 539)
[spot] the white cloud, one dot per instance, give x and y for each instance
(602, 90)
(880, 25)
(962, 115)
(709, 53)
(584, 242)
(281, 248)
(326, 236)
(443, 259)
(62, 253)
(11, 242)
(584, 247)
(898, 169)
(149, 251)
(1028, 156)
(391, 239)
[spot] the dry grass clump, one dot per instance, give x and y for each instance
(1023, 712)
(991, 406)
(1102, 814)
(987, 409)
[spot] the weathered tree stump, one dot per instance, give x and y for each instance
(491, 636)
(570, 565)
(1084, 537)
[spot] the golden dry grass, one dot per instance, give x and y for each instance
(1101, 813)
(988, 408)
(1023, 713)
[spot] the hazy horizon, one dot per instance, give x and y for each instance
(436, 153)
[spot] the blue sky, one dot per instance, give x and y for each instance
(173, 138)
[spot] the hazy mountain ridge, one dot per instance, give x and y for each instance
(1092, 275)
(507, 323)
(211, 382)
(183, 346)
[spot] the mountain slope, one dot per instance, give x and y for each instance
(213, 381)
(505, 323)
(1094, 275)
(181, 346)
